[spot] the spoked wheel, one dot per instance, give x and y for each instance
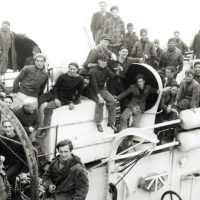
(170, 194)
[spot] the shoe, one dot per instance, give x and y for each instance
(113, 127)
(99, 128)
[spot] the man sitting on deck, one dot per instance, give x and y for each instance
(188, 93)
(137, 104)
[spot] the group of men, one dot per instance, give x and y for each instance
(101, 79)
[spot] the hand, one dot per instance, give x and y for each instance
(113, 57)
(3, 94)
(101, 100)
(31, 129)
(52, 188)
(141, 60)
(57, 102)
(169, 108)
(120, 68)
(71, 106)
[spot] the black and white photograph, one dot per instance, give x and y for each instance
(99, 100)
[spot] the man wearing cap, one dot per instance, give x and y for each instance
(30, 60)
(28, 116)
(98, 21)
(143, 50)
(101, 48)
(8, 57)
(137, 104)
(117, 85)
(179, 43)
(31, 81)
(114, 27)
(170, 57)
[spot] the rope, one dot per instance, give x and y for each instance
(13, 152)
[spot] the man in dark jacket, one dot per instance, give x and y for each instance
(13, 152)
(188, 93)
(171, 57)
(66, 178)
(114, 27)
(143, 50)
(98, 21)
(179, 43)
(30, 60)
(167, 102)
(158, 50)
(92, 58)
(196, 45)
(99, 76)
(131, 38)
(66, 91)
(28, 116)
(31, 81)
(137, 104)
(169, 73)
(197, 72)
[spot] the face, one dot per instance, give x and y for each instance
(30, 108)
(8, 129)
(102, 6)
(176, 35)
(174, 90)
(105, 43)
(102, 63)
(140, 83)
(197, 69)
(35, 51)
(115, 13)
(168, 73)
(40, 62)
(171, 45)
(72, 70)
(8, 102)
(189, 78)
(144, 36)
(130, 29)
(86, 82)
(65, 152)
(123, 53)
(6, 27)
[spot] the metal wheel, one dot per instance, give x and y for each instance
(171, 194)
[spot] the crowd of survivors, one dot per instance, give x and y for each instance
(101, 79)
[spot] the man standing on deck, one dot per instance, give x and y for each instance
(98, 21)
(179, 43)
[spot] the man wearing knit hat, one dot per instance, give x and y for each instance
(31, 81)
(114, 27)
(98, 21)
(30, 60)
(137, 104)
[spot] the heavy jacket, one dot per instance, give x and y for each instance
(130, 40)
(188, 95)
(143, 48)
(27, 119)
(71, 179)
(138, 97)
(97, 24)
(7, 43)
(171, 58)
(196, 45)
(115, 28)
(30, 81)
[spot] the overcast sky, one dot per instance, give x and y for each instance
(57, 26)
